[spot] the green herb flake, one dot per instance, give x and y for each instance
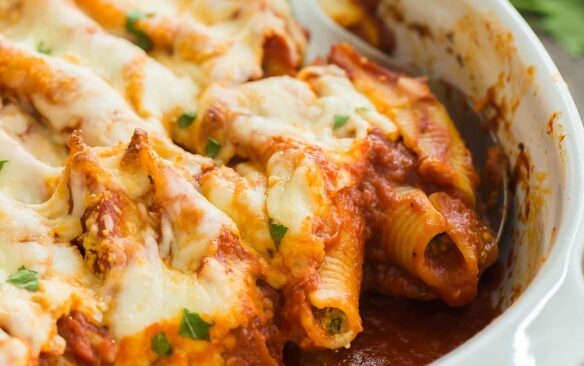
(159, 343)
(363, 109)
(277, 231)
(42, 48)
(212, 148)
(141, 39)
(25, 278)
(186, 119)
(2, 162)
(192, 326)
(340, 121)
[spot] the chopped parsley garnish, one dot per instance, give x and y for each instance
(362, 109)
(277, 231)
(160, 344)
(340, 121)
(2, 162)
(25, 278)
(186, 119)
(192, 326)
(212, 148)
(141, 38)
(44, 49)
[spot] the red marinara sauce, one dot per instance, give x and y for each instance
(408, 332)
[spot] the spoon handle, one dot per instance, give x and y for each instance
(324, 33)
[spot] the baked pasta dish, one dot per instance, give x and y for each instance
(176, 190)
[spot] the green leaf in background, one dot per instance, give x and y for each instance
(562, 19)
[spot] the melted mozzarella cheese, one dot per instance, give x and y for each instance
(174, 247)
(24, 318)
(13, 351)
(301, 188)
(27, 240)
(210, 41)
(25, 224)
(284, 106)
(243, 199)
(31, 135)
(183, 205)
(150, 292)
(61, 27)
(105, 118)
(338, 96)
(31, 184)
(85, 102)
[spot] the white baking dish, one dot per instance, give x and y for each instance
(486, 45)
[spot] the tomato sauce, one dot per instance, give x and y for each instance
(399, 331)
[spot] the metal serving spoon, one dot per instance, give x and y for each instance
(324, 33)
